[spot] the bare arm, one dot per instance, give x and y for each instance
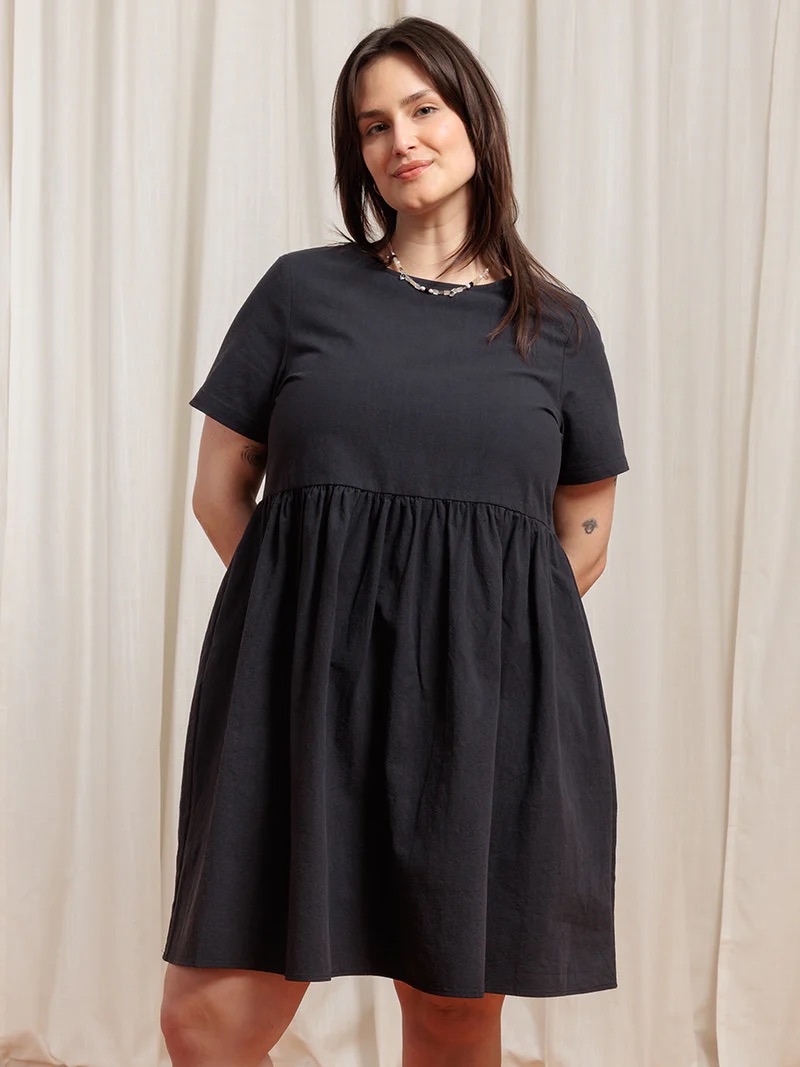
(230, 469)
(582, 517)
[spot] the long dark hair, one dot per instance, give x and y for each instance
(466, 88)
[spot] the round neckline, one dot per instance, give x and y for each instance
(437, 283)
(434, 283)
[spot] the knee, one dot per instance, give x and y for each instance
(466, 1017)
(192, 1027)
(187, 1024)
(183, 1024)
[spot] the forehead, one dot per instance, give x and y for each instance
(389, 80)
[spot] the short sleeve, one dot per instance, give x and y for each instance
(592, 447)
(239, 389)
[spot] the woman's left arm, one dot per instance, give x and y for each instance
(582, 517)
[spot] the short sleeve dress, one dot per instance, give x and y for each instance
(398, 759)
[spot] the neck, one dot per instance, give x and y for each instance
(431, 260)
(426, 243)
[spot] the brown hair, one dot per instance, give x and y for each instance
(466, 88)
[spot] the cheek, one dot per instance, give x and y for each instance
(372, 163)
(446, 132)
(453, 137)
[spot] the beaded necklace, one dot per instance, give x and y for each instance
(426, 288)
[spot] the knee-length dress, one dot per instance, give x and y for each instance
(398, 759)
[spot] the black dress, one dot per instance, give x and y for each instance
(398, 758)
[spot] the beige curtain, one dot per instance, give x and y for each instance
(156, 157)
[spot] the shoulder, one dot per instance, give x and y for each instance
(579, 324)
(301, 269)
(303, 262)
(564, 316)
(316, 272)
(328, 274)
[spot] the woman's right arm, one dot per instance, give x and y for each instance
(230, 470)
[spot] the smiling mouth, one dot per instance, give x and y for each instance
(412, 173)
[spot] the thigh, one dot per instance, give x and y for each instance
(249, 1006)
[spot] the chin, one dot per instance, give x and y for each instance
(417, 203)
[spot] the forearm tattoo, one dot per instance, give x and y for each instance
(256, 457)
(590, 525)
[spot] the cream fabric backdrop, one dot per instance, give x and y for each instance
(156, 158)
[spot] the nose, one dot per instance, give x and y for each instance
(404, 138)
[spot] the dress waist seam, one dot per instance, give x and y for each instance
(407, 496)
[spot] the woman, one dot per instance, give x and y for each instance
(398, 760)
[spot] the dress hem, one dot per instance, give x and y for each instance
(592, 986)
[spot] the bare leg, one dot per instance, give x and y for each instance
(220, 1017)
(450, 1031)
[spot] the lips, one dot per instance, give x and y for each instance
(415, 165)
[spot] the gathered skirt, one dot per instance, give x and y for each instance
(398, 759)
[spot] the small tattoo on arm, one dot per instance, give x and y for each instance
(590, 525)
(256, 457)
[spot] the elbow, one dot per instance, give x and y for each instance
(213, 498)
(207, 506)
(586, 577)
(199, 505)
(598, 568)
(202, 514)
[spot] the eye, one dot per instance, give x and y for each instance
(425, 107)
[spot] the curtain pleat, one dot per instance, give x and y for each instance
(155, 158)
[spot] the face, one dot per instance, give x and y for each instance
(400, 131)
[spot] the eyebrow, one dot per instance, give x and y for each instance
(403, 103)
